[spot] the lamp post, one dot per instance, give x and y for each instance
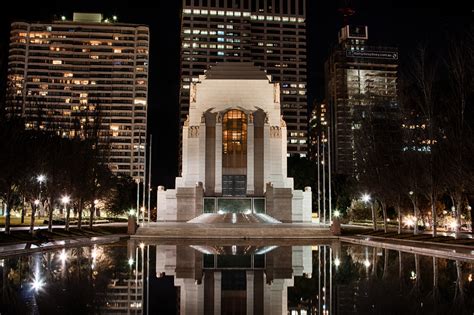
(415, 211)
(33, 211)
(366, 198)
(41, 178)
(65, 200)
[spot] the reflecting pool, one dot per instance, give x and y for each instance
(210, 277)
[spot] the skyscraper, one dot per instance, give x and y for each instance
(361, 93)
(69, 76)
(269, 33)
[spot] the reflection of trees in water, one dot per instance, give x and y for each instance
(394, 283)
(76, 285)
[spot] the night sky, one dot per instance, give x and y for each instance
(397, 23)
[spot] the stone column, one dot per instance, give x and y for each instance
(217, 292)
(250, 292)
(202, 152)
(218, 185)
(266, 156)
(250, 156)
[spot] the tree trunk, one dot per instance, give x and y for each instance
(23, 210)
(32, 222)
(384, 214)
(79, 220)
(50, 216)
(458, 215)
(415, 214)
(399, 218)
(68, 213)
(91, 217)
(7, 216)
(374, 216)
(434, 215)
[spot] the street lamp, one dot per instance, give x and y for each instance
(65, 200)
(41, 178)
(366, 198)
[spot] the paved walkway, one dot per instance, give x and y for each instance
(423, 247)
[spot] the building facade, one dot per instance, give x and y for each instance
(234, 150)
(72, 76)
(270, 33)
(361, 93)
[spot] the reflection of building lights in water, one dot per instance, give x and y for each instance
(412, 275)
(234, 249)
(234, 218)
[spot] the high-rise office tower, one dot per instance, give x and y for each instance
(269, 33)
(70, 76)
(361, 93)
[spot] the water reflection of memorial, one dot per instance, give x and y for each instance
(233, 279)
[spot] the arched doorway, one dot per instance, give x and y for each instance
(234, 153)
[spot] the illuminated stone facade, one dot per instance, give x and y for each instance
(234, 148)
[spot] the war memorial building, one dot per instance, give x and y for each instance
(234, 159)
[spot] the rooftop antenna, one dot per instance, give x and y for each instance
(346, 10)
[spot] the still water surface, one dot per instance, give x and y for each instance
(129, 277)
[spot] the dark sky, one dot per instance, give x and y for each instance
(399, 23)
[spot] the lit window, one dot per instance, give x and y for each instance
(196, 31)
(220, 40)
(220, 13)
(187, 31)
(269, 18)
(237, 14)
(277, 18)
(300, 20)
(213, 12)
(229, 26)
(118, 51)
(220, 53)
(57, 62)
(284, 19)
(186, 86)
(68, 75)
(246, 14)
(253, 17)
(196, 11)
(229, 13)
(293, 19)
(94, 57)
(204, 12)
(261, 17)
(139, 102)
